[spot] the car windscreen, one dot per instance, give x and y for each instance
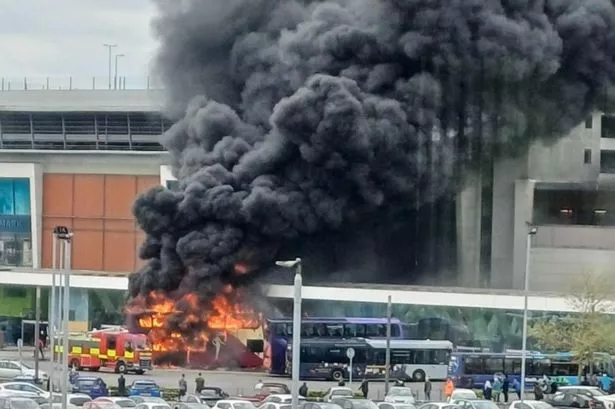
(243, 405)
(363, 404)
(86, 382)
(144, 385)
(400, 392)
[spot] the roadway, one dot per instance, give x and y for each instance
(233, 382)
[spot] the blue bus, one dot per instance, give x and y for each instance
(278, 333)
(471, 370)
(410, 360)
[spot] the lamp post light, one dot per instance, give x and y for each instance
(296, 346)
(528, 250)
(110, 47)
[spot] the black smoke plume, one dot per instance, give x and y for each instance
(312, 119)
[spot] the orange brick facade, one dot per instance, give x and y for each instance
(98, 208)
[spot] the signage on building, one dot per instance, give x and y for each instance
(15, 224)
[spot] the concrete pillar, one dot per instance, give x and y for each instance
(469, 231)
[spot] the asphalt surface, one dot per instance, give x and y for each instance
(235, 383)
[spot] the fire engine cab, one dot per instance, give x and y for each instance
(113, 349)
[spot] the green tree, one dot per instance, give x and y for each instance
(590, 328)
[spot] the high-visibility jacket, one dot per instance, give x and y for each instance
(449, 388)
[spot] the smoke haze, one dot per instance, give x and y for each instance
(306, 125)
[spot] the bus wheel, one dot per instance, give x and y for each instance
(337, 375)
(120, 367)
(418, 375)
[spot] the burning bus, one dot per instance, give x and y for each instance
(229, 335)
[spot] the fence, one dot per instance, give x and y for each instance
(78, 83)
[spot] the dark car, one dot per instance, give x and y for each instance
(92, 386)
(144, 387)
(211, 394)
(574, 400)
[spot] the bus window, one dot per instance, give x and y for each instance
(378, 357)
(336, 355)
(494, 365)
(394, 331)
(473, 366)
(335, 330)
(512, 366)
(399, 356)
(439, 357)
(376, 330)
(311, 355)
(354, 330)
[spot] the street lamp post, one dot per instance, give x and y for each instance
(115, 77)
(530, 232)
(296, 346)
(110, 47)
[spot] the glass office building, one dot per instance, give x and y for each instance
(15, 222)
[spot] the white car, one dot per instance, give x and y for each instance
(18, 403)
(148, 399)
(9, 369)
(23, 389)
(153, 405)
(272, 405)
(460, 393)
(593, 391)
(234, 404)
(279, 398)
(390, 405)
(338, 392)
(117, 400)
(400, 394)
(530, 404)
(438, 405)
(58, 406)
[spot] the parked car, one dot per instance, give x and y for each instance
(191, 405)
(277, 398)
(474, 404)
(338, 392)
(530, 404)
(153, 405)
(461, 393)
(17, 403)
(593, 391)
(438, 405)
(118, 400)
(144, 387)
(234, 404)
(272, 405)
(566, 399)
(100, 405)
(9, 369)
(320, 405)
(355, 403)
(57, 406)
(23, 389)
(211, 394)
(78, 399)
(399, 394)
(92, 386)
(392, 405)
(148, 399)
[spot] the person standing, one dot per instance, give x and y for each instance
(303, 390)
(200, 384)
(497, 388)
(427, 389)
(183, 386)
(121, 385)
(517, 387)
(487, 390)
(538, 393)
(364, 388)
(505, 387)
(449, 387)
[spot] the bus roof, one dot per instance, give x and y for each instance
(338, 320)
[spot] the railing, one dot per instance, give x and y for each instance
(78, 83)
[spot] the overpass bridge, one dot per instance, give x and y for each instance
(370, 293)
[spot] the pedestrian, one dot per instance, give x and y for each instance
(183, 386)
(497, 388)
(427, 389)
(364, 388)
(517, 387)
(41, 346)
(487, 390)
(505, 387)
(200, 384)
(449, 387)
(538, 393)
(121, 385)
(303, 390)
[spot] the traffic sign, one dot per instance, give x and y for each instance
(350, 353)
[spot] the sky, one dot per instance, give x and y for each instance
(64, 38)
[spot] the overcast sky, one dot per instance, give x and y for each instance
(62, 38)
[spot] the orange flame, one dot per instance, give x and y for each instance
(165, 332)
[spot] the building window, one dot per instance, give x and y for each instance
(173, 185)
(589, 122)
(587, 156)
(607, 161)
(607, 124)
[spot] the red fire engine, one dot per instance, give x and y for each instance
(114, 349)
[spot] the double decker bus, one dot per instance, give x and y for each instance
(410, 360)
(471, 370)
(279, 332)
